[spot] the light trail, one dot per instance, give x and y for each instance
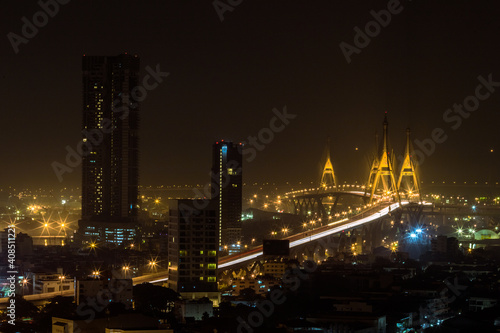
(308, 238)
(374, 216)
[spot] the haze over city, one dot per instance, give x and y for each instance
(226, 78)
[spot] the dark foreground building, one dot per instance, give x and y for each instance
(193, 249)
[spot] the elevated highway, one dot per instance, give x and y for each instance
(374, 213)
(42, 298)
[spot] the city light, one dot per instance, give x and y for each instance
(152, 264)
(371, 254)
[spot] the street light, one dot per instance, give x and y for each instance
(152, 264)
(125, 270)
(61, 278)
(25, 282)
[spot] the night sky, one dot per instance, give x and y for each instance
(226, 78)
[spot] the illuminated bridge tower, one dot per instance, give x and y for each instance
(328, 176)
(408, 170)
(382, 172)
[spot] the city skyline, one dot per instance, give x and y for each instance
(250, 166)
(415, 72)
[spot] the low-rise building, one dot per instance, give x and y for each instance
(261, 285)
(52, 282)
(194, 309)
(275, 269)
(105, 291)
(481, 303)
(130, 323)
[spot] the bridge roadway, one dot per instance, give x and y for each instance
(151, 278)
(329, 191)
(366, 216)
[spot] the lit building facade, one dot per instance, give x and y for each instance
(109, 146)
(227, 182)
(193, 248)
(261, 285)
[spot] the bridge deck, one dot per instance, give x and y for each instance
(366, 216)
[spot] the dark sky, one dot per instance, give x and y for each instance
(226, 78)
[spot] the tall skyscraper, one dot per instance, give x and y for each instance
(110, 143)
(227, 181)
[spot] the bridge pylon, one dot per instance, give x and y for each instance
(382, 171)
(408, 169)
(328, 175)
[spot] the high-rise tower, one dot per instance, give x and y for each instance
(227, 183)
(110, 174)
